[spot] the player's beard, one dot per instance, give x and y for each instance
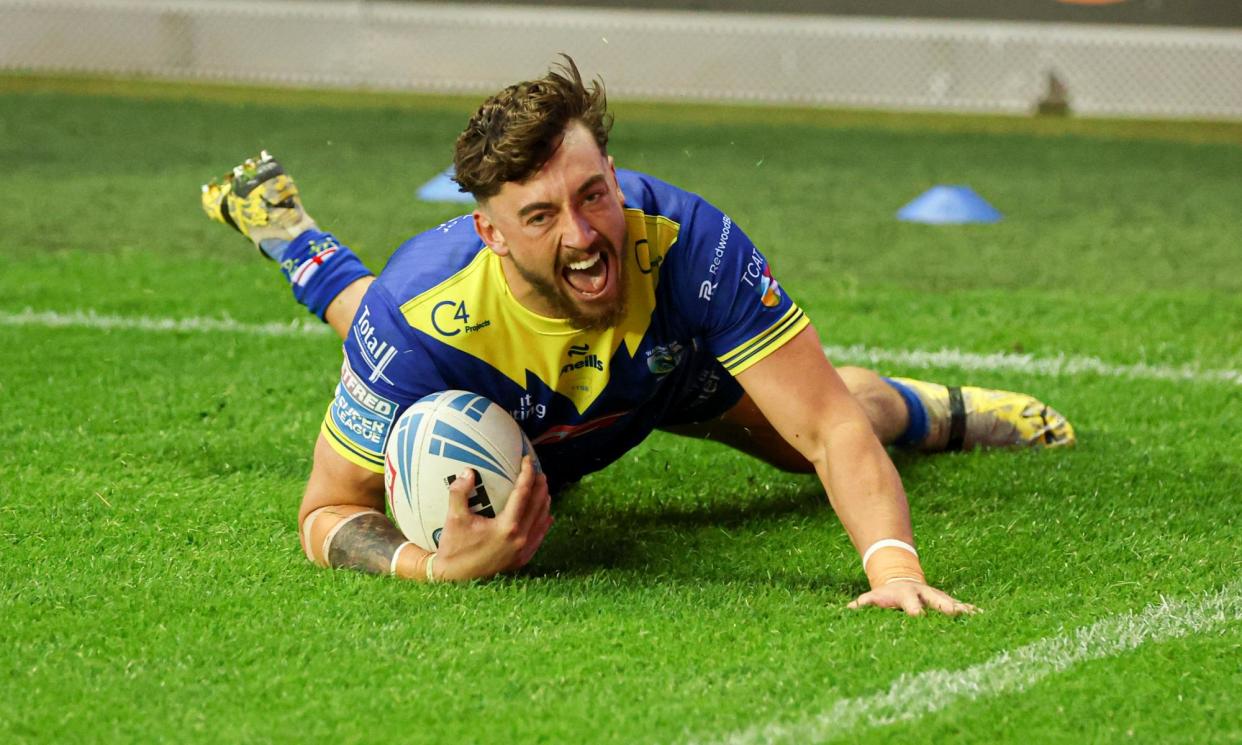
(565, 306)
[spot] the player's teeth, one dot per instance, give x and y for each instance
(578, 266)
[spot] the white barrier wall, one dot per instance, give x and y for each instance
(821, 60)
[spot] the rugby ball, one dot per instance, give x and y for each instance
(436, 439)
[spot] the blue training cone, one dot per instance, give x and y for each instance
(949, 205)
(442, 188)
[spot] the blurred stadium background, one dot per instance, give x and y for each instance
(160, 392)
(1131, 58)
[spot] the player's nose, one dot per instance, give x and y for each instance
(578, 231)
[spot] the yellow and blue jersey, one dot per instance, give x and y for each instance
(701, 297)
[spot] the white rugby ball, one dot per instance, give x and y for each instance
(433, 441)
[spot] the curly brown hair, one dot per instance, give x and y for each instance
(516, 131)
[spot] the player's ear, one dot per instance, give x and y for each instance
(612, 170)
(489, 233)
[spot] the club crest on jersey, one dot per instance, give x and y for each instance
(376, 353)
(663, 359)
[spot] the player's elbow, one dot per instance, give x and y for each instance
(312, 543)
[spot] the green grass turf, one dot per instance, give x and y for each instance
(151, 587)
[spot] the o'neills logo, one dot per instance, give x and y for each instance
(588, 361)
(591, 360)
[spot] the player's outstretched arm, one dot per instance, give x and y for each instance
(342, 525)
(804, 398)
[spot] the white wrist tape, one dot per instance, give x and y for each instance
(392, 567)
(886, 543)
(431, 563)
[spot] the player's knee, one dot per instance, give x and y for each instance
(859, 380)
(883, 406)
(878, 398)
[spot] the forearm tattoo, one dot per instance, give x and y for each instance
(366, 543)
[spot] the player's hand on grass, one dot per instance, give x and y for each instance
(474, 547)
(913, 597)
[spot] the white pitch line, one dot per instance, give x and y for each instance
(1061, 365)
(911, 697)
(89, 319)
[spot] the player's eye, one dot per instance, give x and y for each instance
(537, 219)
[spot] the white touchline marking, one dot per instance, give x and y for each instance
(89, 319)
(1071, 366)
(912, 696)
(1061, 365)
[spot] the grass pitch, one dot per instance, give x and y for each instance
(151, 584)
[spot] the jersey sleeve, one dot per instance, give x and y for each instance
(744, 313)
(385, 370)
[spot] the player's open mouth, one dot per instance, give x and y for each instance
(588, 277)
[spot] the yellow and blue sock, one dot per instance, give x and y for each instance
(317, 267)
(918, 426)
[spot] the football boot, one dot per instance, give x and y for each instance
(967, 417)
(261, 202)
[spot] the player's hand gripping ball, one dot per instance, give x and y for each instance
(437, 438)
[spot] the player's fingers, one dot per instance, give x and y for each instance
(532, 540)
(911, 602)
(535, 541)
(515, 514)
(959, 608)
(863, 600)
(939, 601)
(945, 603)
(535, 503)
(459, 493)
(541, 503)
(540, 521)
